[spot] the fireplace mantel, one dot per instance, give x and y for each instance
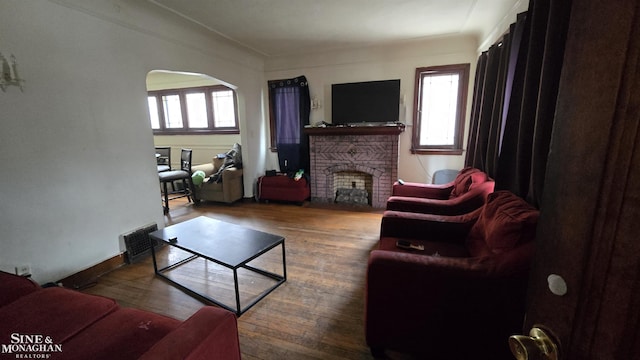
(370, 150)
(394, 129)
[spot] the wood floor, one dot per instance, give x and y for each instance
(318, 313)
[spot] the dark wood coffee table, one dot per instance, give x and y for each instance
(229, 245)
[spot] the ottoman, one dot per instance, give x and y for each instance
(283, 188)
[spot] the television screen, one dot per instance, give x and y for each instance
(365, 102)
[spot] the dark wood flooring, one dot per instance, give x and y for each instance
(318, 313)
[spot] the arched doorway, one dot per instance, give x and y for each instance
(195, 111)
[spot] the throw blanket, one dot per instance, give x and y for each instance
(232, 158)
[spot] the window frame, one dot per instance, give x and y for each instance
(462, 70)
(185, 130)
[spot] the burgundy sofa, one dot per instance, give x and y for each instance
(73, 325)
(283, 188)
(467, 192)
(464, 294)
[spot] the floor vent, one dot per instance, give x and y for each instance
(138, 243)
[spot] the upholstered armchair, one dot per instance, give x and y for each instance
(459, 291)
(227, 188)
(467, 192)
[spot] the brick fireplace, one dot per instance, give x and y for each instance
(359, 157)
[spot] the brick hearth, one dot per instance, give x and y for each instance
(372, 151)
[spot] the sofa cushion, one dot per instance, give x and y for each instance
(209, 187)
(55, 312)
(506, 221)
(433, 248)
(465, 178)
(14, 287)
(124, 334)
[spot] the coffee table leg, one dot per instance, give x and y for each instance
(235, 281)
(153, 255)
(284, 263)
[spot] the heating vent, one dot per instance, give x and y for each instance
(138, 243)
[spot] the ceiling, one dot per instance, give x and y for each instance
(289, 27)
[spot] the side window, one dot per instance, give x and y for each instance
(439, 109)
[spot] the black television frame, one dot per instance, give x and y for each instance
(365, 102)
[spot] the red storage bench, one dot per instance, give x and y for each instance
(283, 188)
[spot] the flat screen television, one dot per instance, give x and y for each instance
(365, 102)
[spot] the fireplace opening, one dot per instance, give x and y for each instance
(352, 187)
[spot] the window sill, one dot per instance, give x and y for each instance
(436, 151)
(198, 132)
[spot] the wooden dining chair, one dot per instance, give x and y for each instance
(163, 158)
(184, 175)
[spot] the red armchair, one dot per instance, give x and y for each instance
(464, 294)
(466, 193)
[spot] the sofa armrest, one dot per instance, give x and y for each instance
(210, 333)
(231, 173)
(233, 184)
(424, 205)
(474, 198)
(15, 287)
(428, 191)
(440, 228)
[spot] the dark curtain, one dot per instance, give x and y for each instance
(514, 100)
(493, 91)
(487, 107)
(290, 103)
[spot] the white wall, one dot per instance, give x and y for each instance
(76, 145)
(502, 26)
(397, 61)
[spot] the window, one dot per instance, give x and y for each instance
(224, 106)
(197, 110)
(203, 110)
(440, 103)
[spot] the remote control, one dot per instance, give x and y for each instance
(404, 244)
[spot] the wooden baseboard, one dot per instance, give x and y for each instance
(88, 277)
